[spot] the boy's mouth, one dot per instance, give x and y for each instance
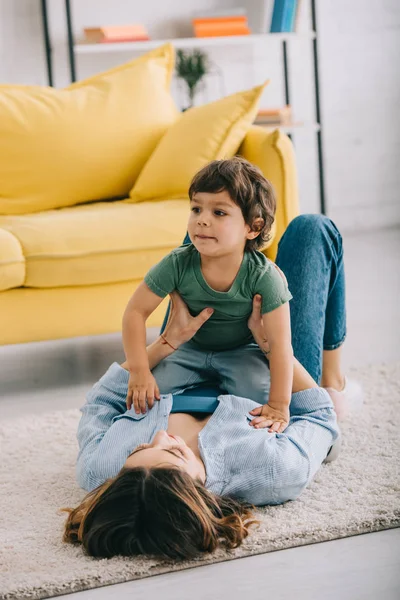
(205, 237)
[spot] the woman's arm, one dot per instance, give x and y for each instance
(156, 352)
(180, 328)
(104, 410)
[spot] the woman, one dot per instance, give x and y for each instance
(175, 482)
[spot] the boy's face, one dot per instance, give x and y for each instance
(216, 225)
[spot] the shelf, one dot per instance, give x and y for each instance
(193, 42)
(289, 127)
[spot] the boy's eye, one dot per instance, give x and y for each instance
(219, 213)
(196, 209)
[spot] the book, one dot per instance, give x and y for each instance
(267, 7)
(281, 115)
(205, 31)
(115, 32)
(289, 15)
(226, 19)
(122, 40)
(283, 16)
(220, 26)
(298, 16)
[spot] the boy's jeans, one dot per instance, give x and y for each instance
(242, 371)
(310, 253)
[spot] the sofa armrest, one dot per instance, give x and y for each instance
(272, 151)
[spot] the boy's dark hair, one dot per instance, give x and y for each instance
(247, 187)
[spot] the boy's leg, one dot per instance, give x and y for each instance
(243, 372)
(185, 368)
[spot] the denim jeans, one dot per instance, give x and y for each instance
(242, 371)
(310, 253)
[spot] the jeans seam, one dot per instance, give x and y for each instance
(190, 382)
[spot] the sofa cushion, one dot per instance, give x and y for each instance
(202, 134)
(87, 142)
(12, 262)
(98, 243)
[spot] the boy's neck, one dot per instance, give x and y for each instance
(220, 271)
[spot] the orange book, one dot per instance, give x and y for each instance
(221, 25)
(232, 19)
(221, 30)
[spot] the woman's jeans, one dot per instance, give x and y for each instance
(310, 253)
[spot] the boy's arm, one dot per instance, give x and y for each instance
(278, 333)
(139, 308)
(142, 387)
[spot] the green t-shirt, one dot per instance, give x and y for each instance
(227, 327)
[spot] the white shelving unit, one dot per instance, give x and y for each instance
(291, 127)
(193, 42)
(80, 48)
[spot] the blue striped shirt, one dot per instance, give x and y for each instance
(245, 463)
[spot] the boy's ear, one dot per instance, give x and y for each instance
(255, 229)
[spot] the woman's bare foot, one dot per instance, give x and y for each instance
(348, 400)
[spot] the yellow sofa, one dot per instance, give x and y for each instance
(69, 270)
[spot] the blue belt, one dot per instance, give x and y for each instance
(195, 401)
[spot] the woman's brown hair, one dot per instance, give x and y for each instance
(247, 187)
(156, 511)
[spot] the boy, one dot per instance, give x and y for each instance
(232, 208)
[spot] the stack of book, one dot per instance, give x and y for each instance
(284, 15)
(221, 23)
(115, 34)
(274, 116)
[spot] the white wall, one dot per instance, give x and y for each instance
(359, 46)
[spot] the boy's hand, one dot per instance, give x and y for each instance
(141, 385)
(277, 419)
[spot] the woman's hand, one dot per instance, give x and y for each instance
(255, 325)
(181, 326)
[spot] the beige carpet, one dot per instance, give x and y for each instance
(358, 493)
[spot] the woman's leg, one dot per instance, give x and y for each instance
(332, 375)
(310, 253)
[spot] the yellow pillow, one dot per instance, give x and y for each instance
(87, 142)
(203, 133)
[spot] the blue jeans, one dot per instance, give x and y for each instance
(242, 371)
(310, 253)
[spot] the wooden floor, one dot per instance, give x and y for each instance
(55, 376)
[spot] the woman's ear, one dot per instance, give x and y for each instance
(255, 229)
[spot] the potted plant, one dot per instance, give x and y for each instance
(192, 66)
